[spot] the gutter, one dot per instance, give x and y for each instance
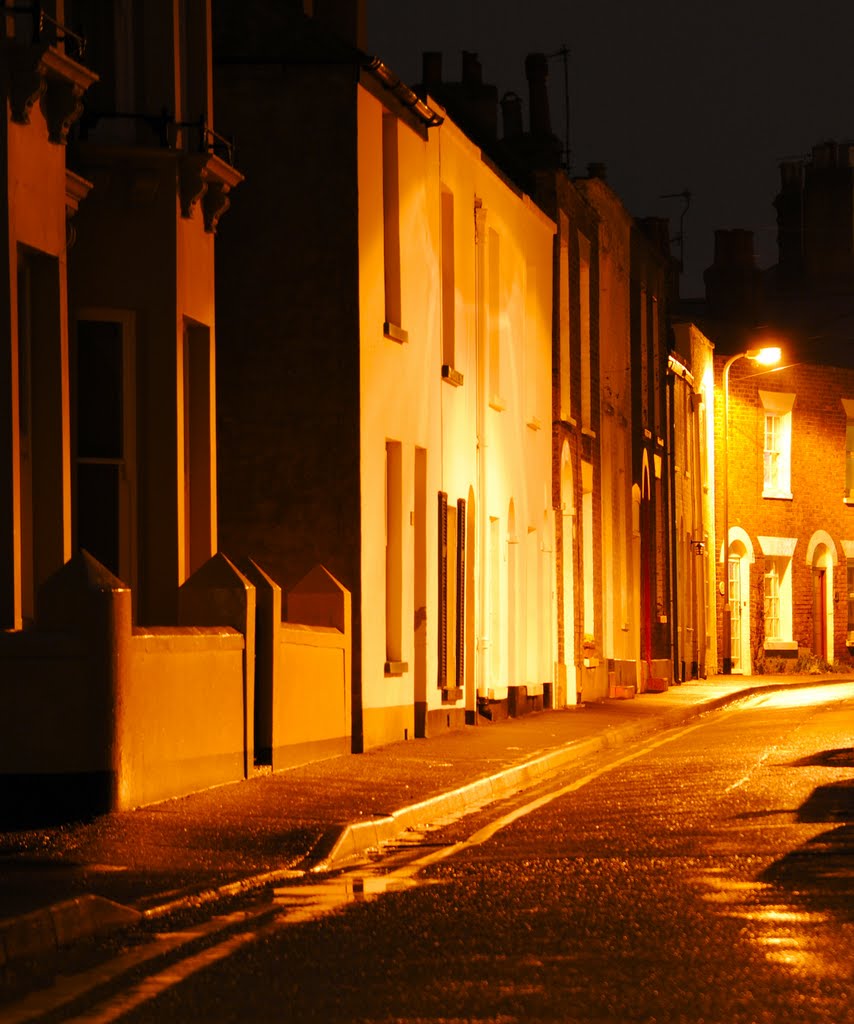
(389, 80)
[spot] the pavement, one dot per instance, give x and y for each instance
(64, 884)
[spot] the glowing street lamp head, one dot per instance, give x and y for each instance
(768, 355)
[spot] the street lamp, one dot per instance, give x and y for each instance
(766, 356)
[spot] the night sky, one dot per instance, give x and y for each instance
(669, 94)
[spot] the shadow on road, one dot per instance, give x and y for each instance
(831, 802)
(841, 757)
(821, 872)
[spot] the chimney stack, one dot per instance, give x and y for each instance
(733, 281)
(537, 73)
(431, 69)
(511, 112)
(472, 70)
(346, 18)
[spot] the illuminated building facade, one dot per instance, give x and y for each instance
(44, 81)
(691, 395)
(142, 298)
(635, 458)
(789, 428)
(791, 514)
(107, 444)
(611, 411)
(385, 360)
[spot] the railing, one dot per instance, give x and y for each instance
(167, 131)
(208, 140)
(47, 29)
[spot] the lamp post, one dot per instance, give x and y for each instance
(768, 356)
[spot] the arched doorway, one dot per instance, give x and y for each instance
(738, 570)
(821, 558)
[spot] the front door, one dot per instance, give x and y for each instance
(736, 618)
(819, 579)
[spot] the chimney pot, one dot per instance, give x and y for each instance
(472, 70)
(511, 112)
(537, 73)
(431, 68)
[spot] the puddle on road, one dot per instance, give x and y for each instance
(787, 935)
(309, 901)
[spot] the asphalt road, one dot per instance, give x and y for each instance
(705, 875)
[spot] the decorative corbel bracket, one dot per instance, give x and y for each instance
(27, 83)
(76, 190)
(214, 204)
(209, 178)
(192, 181)
(46, 74)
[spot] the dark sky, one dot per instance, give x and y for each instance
(669, 94)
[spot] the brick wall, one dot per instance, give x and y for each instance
(816, 516)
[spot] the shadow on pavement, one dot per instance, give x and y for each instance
(841, 757)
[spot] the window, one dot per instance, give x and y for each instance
(778, 552)
(644, 360)
(772, 599)
(584, 331)
(563, 318)
(452, 579)
(391, 230)
(199, 472)
(448, 286)
(587, 548)
(100, 438)
(494, 317)
(773, 452)
(657, 385)
(848, 406)
(777, 445)
(394, 664)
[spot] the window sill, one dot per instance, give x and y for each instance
(395, 333)
(780, 645)
(396, 668)
(778, 495)
(452, 376)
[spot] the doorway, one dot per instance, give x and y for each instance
(739, 593)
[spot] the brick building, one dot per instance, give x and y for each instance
(789, 432)
(791, 513)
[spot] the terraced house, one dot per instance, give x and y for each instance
(385, 362)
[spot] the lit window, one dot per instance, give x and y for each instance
(773, 460)
(777, 448)
(778, 552)
(772, 600)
